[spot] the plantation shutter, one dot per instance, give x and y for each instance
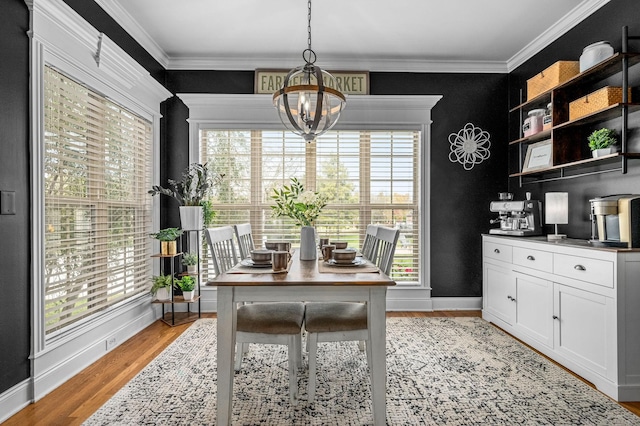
(368, 176)
(97, 170)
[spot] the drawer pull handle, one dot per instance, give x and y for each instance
(531, 257)
(555, 317)
(496, 251)
(579, 268)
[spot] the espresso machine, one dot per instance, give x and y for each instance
(615, 221)
(518, 218)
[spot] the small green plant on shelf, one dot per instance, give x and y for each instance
(167, 234)
(189, 259)
(602, 138)
(187, 283)
(161, 282)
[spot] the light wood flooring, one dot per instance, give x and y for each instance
(81, 396)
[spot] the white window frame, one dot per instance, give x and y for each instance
(62, 39)
(388, 112)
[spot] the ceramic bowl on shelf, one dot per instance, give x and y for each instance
(594, 54)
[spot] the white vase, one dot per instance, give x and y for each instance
(191, 218)
(163, 293)
(603, 151)
(188, 295)
(308, 247)
(192, 269)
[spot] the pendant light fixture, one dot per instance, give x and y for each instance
(308, 103)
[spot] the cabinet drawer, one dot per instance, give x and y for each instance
(593, 271)
(536, 259)
(501, 252)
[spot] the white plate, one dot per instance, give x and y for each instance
(355, 262)
(250, 263)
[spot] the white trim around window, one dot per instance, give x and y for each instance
(225, 111)
(63, 40)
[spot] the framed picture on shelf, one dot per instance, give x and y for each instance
(539, 156)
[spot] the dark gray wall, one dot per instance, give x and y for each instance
(15, 234)
(459, 199)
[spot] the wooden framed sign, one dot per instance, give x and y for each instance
(348, 82)
(539, 156)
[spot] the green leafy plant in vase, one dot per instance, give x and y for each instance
(190, 260)
(602, 142)
(187, 284)
(161, 287)
(167, 238)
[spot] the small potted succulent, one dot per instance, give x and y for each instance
(167, 237)
(602, 142)
(161, 287)
(190, 260)
(187, 284)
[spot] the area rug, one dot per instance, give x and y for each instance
(441, 371)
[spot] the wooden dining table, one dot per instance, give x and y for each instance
(307, 281)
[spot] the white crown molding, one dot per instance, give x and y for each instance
(570, 20)
(134, 29)
(380, 65)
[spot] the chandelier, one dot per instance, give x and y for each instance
(308, 103)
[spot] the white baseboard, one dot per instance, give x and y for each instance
(14, 400)
(457, 303)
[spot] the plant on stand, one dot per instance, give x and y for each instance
(187, 284)
(190, 260)
(303, 207)
(190, 193)
(167, 237)
(161, 287)
(602, 142)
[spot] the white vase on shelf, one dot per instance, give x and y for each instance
(191, 218)
(308, 247)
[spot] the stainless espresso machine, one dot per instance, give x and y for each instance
(518, 218)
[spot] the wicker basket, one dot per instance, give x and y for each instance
(596, 101)
(556, 74)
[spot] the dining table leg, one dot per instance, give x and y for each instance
(226, 323)
(378, 340)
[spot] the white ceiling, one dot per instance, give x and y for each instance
(371, 35)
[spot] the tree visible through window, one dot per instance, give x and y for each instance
(368, 176)
(97, 170)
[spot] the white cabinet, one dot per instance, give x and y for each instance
(577, 304)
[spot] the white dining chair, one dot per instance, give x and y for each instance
(368, 245)
(245, 239)
(267, 323)
(346, 321)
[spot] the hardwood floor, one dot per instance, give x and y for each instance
(81, 396)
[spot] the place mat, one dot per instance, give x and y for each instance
(242, 269)
(324, 267)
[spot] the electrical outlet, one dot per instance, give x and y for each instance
(111, 342)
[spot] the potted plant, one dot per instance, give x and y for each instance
(190, 260)
(602, 142)
(187, 284)
(167, 239)
(161, 287)
(190, 192)
(303, 207)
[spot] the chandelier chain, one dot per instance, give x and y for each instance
(309, 24)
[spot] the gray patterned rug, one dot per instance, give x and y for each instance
(441, 371)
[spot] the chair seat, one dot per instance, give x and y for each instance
(271, 318)
(342, 316)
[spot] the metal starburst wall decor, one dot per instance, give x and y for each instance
(470, 146)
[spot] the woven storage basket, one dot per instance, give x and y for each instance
(596, 101)
(556, 74)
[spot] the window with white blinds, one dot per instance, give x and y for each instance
(369, 177)
(97, 170)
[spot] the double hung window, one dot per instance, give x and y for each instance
(97, 214)
(369, 176)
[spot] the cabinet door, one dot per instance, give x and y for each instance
(534, 315)
(585, 329)
(499, 292)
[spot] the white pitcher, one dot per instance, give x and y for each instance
(308, 248)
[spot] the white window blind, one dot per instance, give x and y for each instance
(369, 177)
(97, 171)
